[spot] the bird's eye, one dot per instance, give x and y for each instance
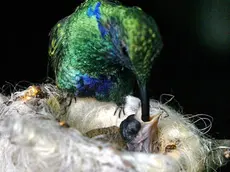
(124, 49)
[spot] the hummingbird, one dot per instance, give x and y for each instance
(103, 49)
(132, 134)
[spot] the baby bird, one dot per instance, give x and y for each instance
(132, 134)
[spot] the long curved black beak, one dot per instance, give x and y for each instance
(144, 102)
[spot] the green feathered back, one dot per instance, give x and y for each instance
(102, 48)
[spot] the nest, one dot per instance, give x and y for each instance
(42, 129)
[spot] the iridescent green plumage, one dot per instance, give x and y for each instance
(102, 48)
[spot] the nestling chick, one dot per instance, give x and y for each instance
(132, 134)
(146, 139)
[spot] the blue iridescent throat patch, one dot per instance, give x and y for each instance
(96, 12)
(89, 86)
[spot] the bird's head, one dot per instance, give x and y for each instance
(137, 42)
(141, 136)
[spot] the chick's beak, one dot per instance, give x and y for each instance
(152, 125)
(150, 133)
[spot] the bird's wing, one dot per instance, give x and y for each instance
(57, 39)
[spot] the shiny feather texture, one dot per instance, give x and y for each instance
(102, 49)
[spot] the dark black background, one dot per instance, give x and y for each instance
(194, 64)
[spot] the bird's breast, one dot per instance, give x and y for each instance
(93, 86)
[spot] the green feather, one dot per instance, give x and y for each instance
(77, 45)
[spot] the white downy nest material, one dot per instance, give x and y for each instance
(32, 139)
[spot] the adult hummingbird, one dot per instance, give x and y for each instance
(102, 49)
